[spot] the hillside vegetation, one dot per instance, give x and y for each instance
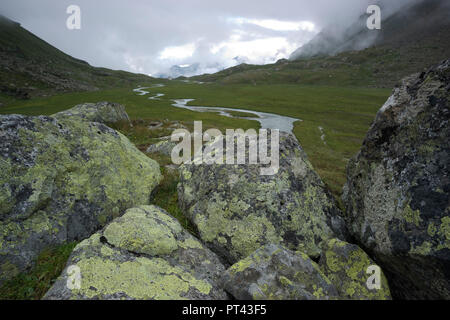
(31, 67)
(409, 41)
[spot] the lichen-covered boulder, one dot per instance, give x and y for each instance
(398, 189)
(145, 254)
(355, 275)
(237, 210)
(275, 273)
(62, 180)
(103, 112)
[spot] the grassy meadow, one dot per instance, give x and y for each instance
(334, 123)
(344, 113)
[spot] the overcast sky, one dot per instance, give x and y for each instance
(150, 36)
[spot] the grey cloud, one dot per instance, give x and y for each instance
(130, 35)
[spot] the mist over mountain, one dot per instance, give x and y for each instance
(402, 24)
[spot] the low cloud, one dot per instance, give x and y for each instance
(152, 36)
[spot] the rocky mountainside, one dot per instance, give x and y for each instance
(425, 21)
(31, 67)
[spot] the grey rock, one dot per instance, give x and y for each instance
(164, 147)
(155, 125)
(145, 254)
(103, 112)
(62, 180)
(350, 269)
(237, 210)
(276, 273)
(397, 193)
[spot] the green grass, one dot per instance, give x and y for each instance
(345, 113)
(374, 67)
(34, 284)
(242, 114)
(166, 197)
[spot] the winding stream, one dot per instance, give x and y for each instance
(141, 90)
(157, 96)
(267, 120)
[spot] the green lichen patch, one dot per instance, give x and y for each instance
(274, 272)
(144, 230)
(145, 254)
(237, 210)
(412, 216)
(347, 267)
(63, 179)
(137, 279)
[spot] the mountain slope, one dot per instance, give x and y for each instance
(31, 67)
(410, 40)
(416, 22)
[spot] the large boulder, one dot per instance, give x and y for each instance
(355, 275)
(398, 189)
(61, 180)
(237, 210)
(275, 273)
(145, 254)
(103, 112)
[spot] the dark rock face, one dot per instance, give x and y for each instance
(397, 194)
(237, 210)
(143, 255)
(62, 180)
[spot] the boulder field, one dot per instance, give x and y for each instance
(280, 236)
